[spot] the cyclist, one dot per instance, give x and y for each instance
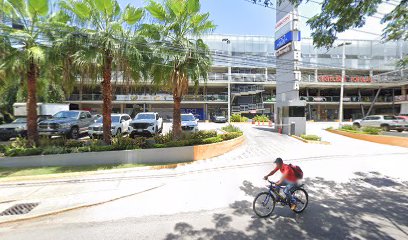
(288, 179)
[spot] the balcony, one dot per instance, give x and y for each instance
(346, 99)
(242, 77)
(246, 108)
(153, 98)
(401, 98)
(247, 90)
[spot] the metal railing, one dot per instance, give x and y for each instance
(346, 99)
(248, 89)
(247, 107)
(401, 98)
(142, 97)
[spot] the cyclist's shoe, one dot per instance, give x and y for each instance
(293, 206)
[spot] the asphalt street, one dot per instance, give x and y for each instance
(357, 190)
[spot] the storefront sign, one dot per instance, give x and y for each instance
(283, 21)
(283, 50)
(287, 38)
(337, 78)
(284, 29)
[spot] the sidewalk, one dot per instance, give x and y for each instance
(64, 196)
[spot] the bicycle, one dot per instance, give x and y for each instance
(264, 202)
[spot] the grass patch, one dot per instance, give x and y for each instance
(364, 130)
(311, 137)
(35, 171)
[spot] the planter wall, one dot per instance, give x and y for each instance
(389, 140)
(156, 155)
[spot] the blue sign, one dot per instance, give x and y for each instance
(285, 39)
(197, 112)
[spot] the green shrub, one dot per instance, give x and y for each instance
(179, 143)
(202, 134)
(311, 137)
(55, 150)
(261, 118)
(44, 141)
(99, 148)
(123, 143)
(3, 148)
(20, 142)
(348, 128)
(211, 140)
(163, 138)
(13, 152)
(371, 130)
(159, 145)
(231, 128)
(71, 143)
(230, 135)
(238, 118)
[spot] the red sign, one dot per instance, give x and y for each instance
(337, 78)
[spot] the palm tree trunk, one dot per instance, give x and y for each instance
(176, 117)
(32, 132)
(107, 98)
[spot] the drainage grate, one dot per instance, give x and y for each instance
(19, 209)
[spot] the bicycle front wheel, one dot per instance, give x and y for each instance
(301, 198)
(264, 204)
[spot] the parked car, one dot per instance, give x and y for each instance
(387, 123)
(219, 119)
(120, 124)
(189, 123)
(17, 128)
(70, 124)
(146, 123)
(403, 116)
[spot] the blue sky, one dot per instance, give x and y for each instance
(243, 18)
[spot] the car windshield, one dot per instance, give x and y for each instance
(66, 114)
(115, 119)
(187, 118)
(20, 120)
(145, 116)
(390, 118)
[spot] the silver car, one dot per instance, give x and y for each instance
(384, 122)
(120, 125)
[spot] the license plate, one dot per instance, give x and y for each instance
(139, 130)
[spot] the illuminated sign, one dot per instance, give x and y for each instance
(283, 21)
(285, 39)
(337, 78)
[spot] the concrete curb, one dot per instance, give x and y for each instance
(75, 207)
(310, 141)
(388, 140)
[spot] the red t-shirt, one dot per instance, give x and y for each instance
(288, 172)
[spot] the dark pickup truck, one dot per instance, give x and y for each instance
(66, 123)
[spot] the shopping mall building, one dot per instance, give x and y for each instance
(245, 66)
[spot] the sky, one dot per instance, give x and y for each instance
(240, 17)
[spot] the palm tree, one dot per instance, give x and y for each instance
(180, 55)
(24, 31)
(106, 30)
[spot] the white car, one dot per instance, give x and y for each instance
(189, 123)
(384, 122)
(146, 123)
(120, 124)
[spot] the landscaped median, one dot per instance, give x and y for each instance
(370, 134)
(310, 139)
(160, 149)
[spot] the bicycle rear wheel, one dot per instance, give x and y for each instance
(302, 199)
(264, 204)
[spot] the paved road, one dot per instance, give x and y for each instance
(357, 190)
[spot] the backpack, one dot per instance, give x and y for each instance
(298, 171)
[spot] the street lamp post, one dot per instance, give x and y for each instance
(229, 79)
(343, 76)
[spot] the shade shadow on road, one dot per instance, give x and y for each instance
(370, 206)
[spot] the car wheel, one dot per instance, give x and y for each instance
(74, 133)
(357, 125)
(400, 130)
(118, 132)
(161, 129)
(4, 138)
(385, 128)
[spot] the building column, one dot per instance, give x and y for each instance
(122, 108)
(318, 106)
(206, 111)
(316, 75)
(404, 91)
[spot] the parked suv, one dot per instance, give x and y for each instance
(146, 123)
(17, 128)
(66, 123)
(120, 124)
(189, 123)
(387, 123)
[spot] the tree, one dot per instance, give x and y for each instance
(106, 31)
(28, 48)
(339, 16)
(180, 55)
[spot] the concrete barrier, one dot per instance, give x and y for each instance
(389, 140)
(154, 155)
